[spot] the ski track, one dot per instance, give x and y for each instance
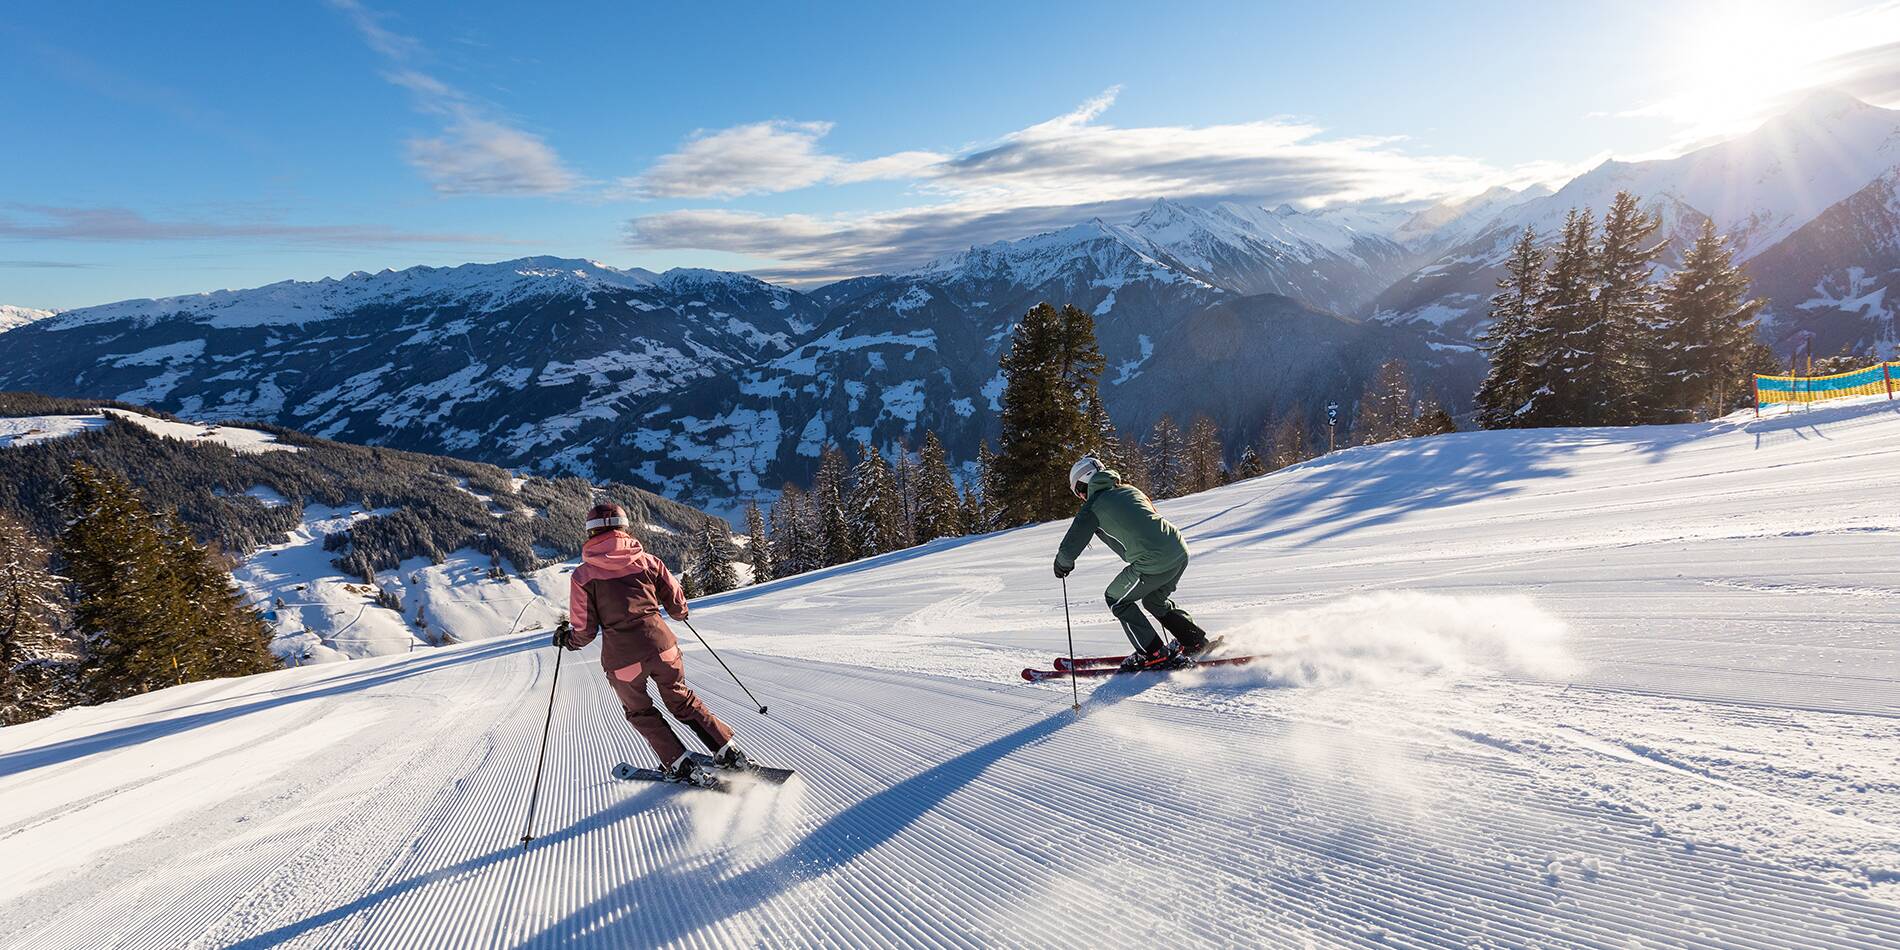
(1707, 757)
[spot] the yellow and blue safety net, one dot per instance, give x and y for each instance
(1880, 379)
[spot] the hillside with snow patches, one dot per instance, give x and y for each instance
(1552, 688)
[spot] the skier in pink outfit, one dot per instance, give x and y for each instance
(619, 592)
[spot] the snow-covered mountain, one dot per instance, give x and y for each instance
(1759, 188)
(1832, 283)
(1336, 260)
(899, 354)
(509, 363)
(12, 317)
(718, 387)
(1455, 221)
(1522, 689)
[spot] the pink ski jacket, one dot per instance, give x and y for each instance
(621, 589)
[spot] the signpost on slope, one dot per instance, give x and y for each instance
(1332, 423)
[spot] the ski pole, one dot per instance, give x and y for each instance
(534, 794)
(1075, 696)
(729, 672)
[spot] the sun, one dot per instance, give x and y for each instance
(1737, 62)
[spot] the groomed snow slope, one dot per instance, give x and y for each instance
(1601, 688)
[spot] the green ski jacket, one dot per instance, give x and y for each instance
(1127, 522)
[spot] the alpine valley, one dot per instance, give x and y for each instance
(715, 387)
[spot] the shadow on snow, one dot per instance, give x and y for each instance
(650, 904)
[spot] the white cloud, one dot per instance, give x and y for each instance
(476, 153)
(1057, 172)
(760, 158)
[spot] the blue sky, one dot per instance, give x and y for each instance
(174, 148)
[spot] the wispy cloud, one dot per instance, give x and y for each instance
(45, 265)
(65, 223)
(476, 152)
(1056, 172)
(763, 157)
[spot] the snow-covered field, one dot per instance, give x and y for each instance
(26, 430)
(1601, 688)
(319, 615)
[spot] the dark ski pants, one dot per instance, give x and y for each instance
(668, 675)
(1131, 591)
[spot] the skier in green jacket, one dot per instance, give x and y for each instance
(1127, 522)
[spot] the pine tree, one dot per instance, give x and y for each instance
(939, 513)
(835, 542)
(225, 636)
(154, 607)
(1204, 467)
(1625, 309)
(988, 514)
(904, 472)
(1516, 338)
(1433, 420)
(874, 506)
(1705, 334)
(712, 569)
(689, 585)
(758, 546)
(794, 538)
(1050, 375)
(1107, 443)
(1250, 465)
(1385, 410)
(35, 656)
(1135, 465)
(1166, 453)
(1554, 390)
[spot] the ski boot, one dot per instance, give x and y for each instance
(732, 758)
(1169, 657)
(686, 770)
(1194, 641)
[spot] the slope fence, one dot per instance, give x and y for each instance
(1874, 380)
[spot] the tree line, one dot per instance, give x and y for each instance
(1582, 335)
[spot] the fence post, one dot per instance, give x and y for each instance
(1757, 384)
(1886, 373)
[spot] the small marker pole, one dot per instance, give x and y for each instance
(1075, 695)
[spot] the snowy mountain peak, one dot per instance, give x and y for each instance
(485, 287)
(12, 317)
(1110, 250)
(1826, 104)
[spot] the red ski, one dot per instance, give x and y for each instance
(1037, 676)
(1082, 662)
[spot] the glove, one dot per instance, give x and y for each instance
(1062, 571)
(562, 631)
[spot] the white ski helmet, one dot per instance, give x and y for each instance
(1080, 473)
